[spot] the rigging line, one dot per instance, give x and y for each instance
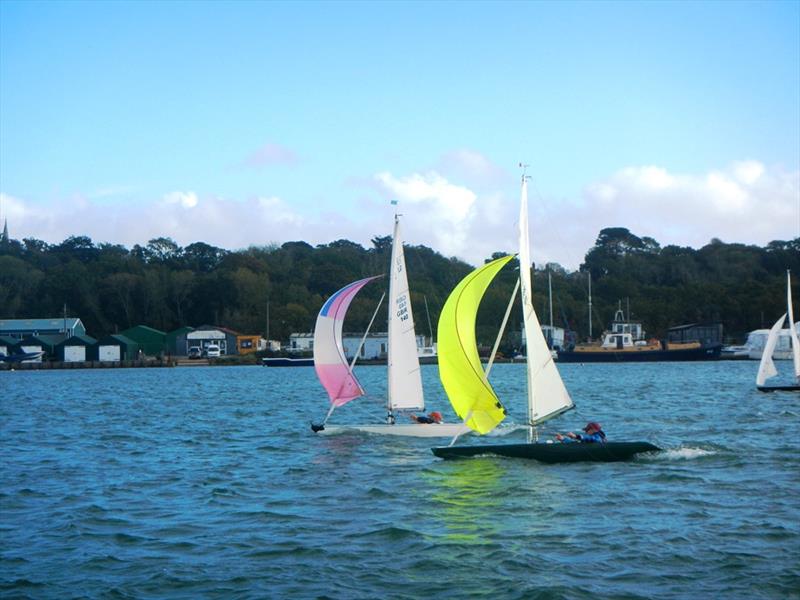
(427, 312)
(460, 433)
(366, 332)
(360, 345)
(501, 331)
(555, 228)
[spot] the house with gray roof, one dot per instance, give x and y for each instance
(22, 328)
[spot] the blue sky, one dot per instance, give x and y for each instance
(254, 123)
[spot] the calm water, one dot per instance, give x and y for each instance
(207, 483)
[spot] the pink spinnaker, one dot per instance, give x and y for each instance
(329, 360)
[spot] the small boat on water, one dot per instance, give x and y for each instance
(404, 379)
(22, 357)
(626, 342)
(467, 385)
(766, 368)
(753, 348)
(287, 362)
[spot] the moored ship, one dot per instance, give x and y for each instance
(626, 342)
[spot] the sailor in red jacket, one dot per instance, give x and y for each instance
(433, 417)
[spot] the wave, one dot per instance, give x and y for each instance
(682, 453)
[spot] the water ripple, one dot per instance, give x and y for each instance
(207, 483)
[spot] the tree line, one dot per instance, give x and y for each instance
(276, 290)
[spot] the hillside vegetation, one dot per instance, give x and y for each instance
(282, 287)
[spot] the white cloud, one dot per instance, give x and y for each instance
(746, 202)
(473, 168)
(184, 199)
(748, 172)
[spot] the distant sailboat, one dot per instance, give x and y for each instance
(467, 384)
(766, 369)
(404, 379)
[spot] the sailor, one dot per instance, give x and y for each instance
(593, 434)
(433, 417)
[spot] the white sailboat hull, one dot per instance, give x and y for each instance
(422, 430)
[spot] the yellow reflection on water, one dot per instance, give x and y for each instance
(465, 494)
(474, 499)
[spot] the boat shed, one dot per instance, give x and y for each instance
(208, 334)
(22, 328)
(152, 342)
(39, 343)
(115, 348)
(6, 344)
(77, 348)
(705, 333)
(177, 343)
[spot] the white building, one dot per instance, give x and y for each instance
(375, 345)
(554, 336)
(756, 340)
(300, 342)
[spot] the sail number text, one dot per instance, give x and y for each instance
(402, 308)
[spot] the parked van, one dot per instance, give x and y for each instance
(212, 351)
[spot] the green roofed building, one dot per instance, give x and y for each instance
(77, 348)
(115, 348)
(40, 343)
(152, 342)
(176, 341)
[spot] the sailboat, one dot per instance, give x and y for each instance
(766, 369)
(404, 379)
(467, 384)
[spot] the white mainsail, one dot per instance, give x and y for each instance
(766, 367)
(792, 329)
(405, 380)
(547, 395)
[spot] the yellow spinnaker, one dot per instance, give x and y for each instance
(460, 368)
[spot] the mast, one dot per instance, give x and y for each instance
(526, 290)
(590, 305)
(427, 312)
(547, 396)
(550, 294)
(551, 335)
(404, 385)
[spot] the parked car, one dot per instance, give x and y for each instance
(194, 352)
(212, 351)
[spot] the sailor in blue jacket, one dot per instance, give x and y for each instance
(593, 434)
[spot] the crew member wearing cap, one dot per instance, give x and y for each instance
(433, 417)
(593, 435)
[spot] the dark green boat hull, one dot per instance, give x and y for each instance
(552, 453)
(779, 388)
